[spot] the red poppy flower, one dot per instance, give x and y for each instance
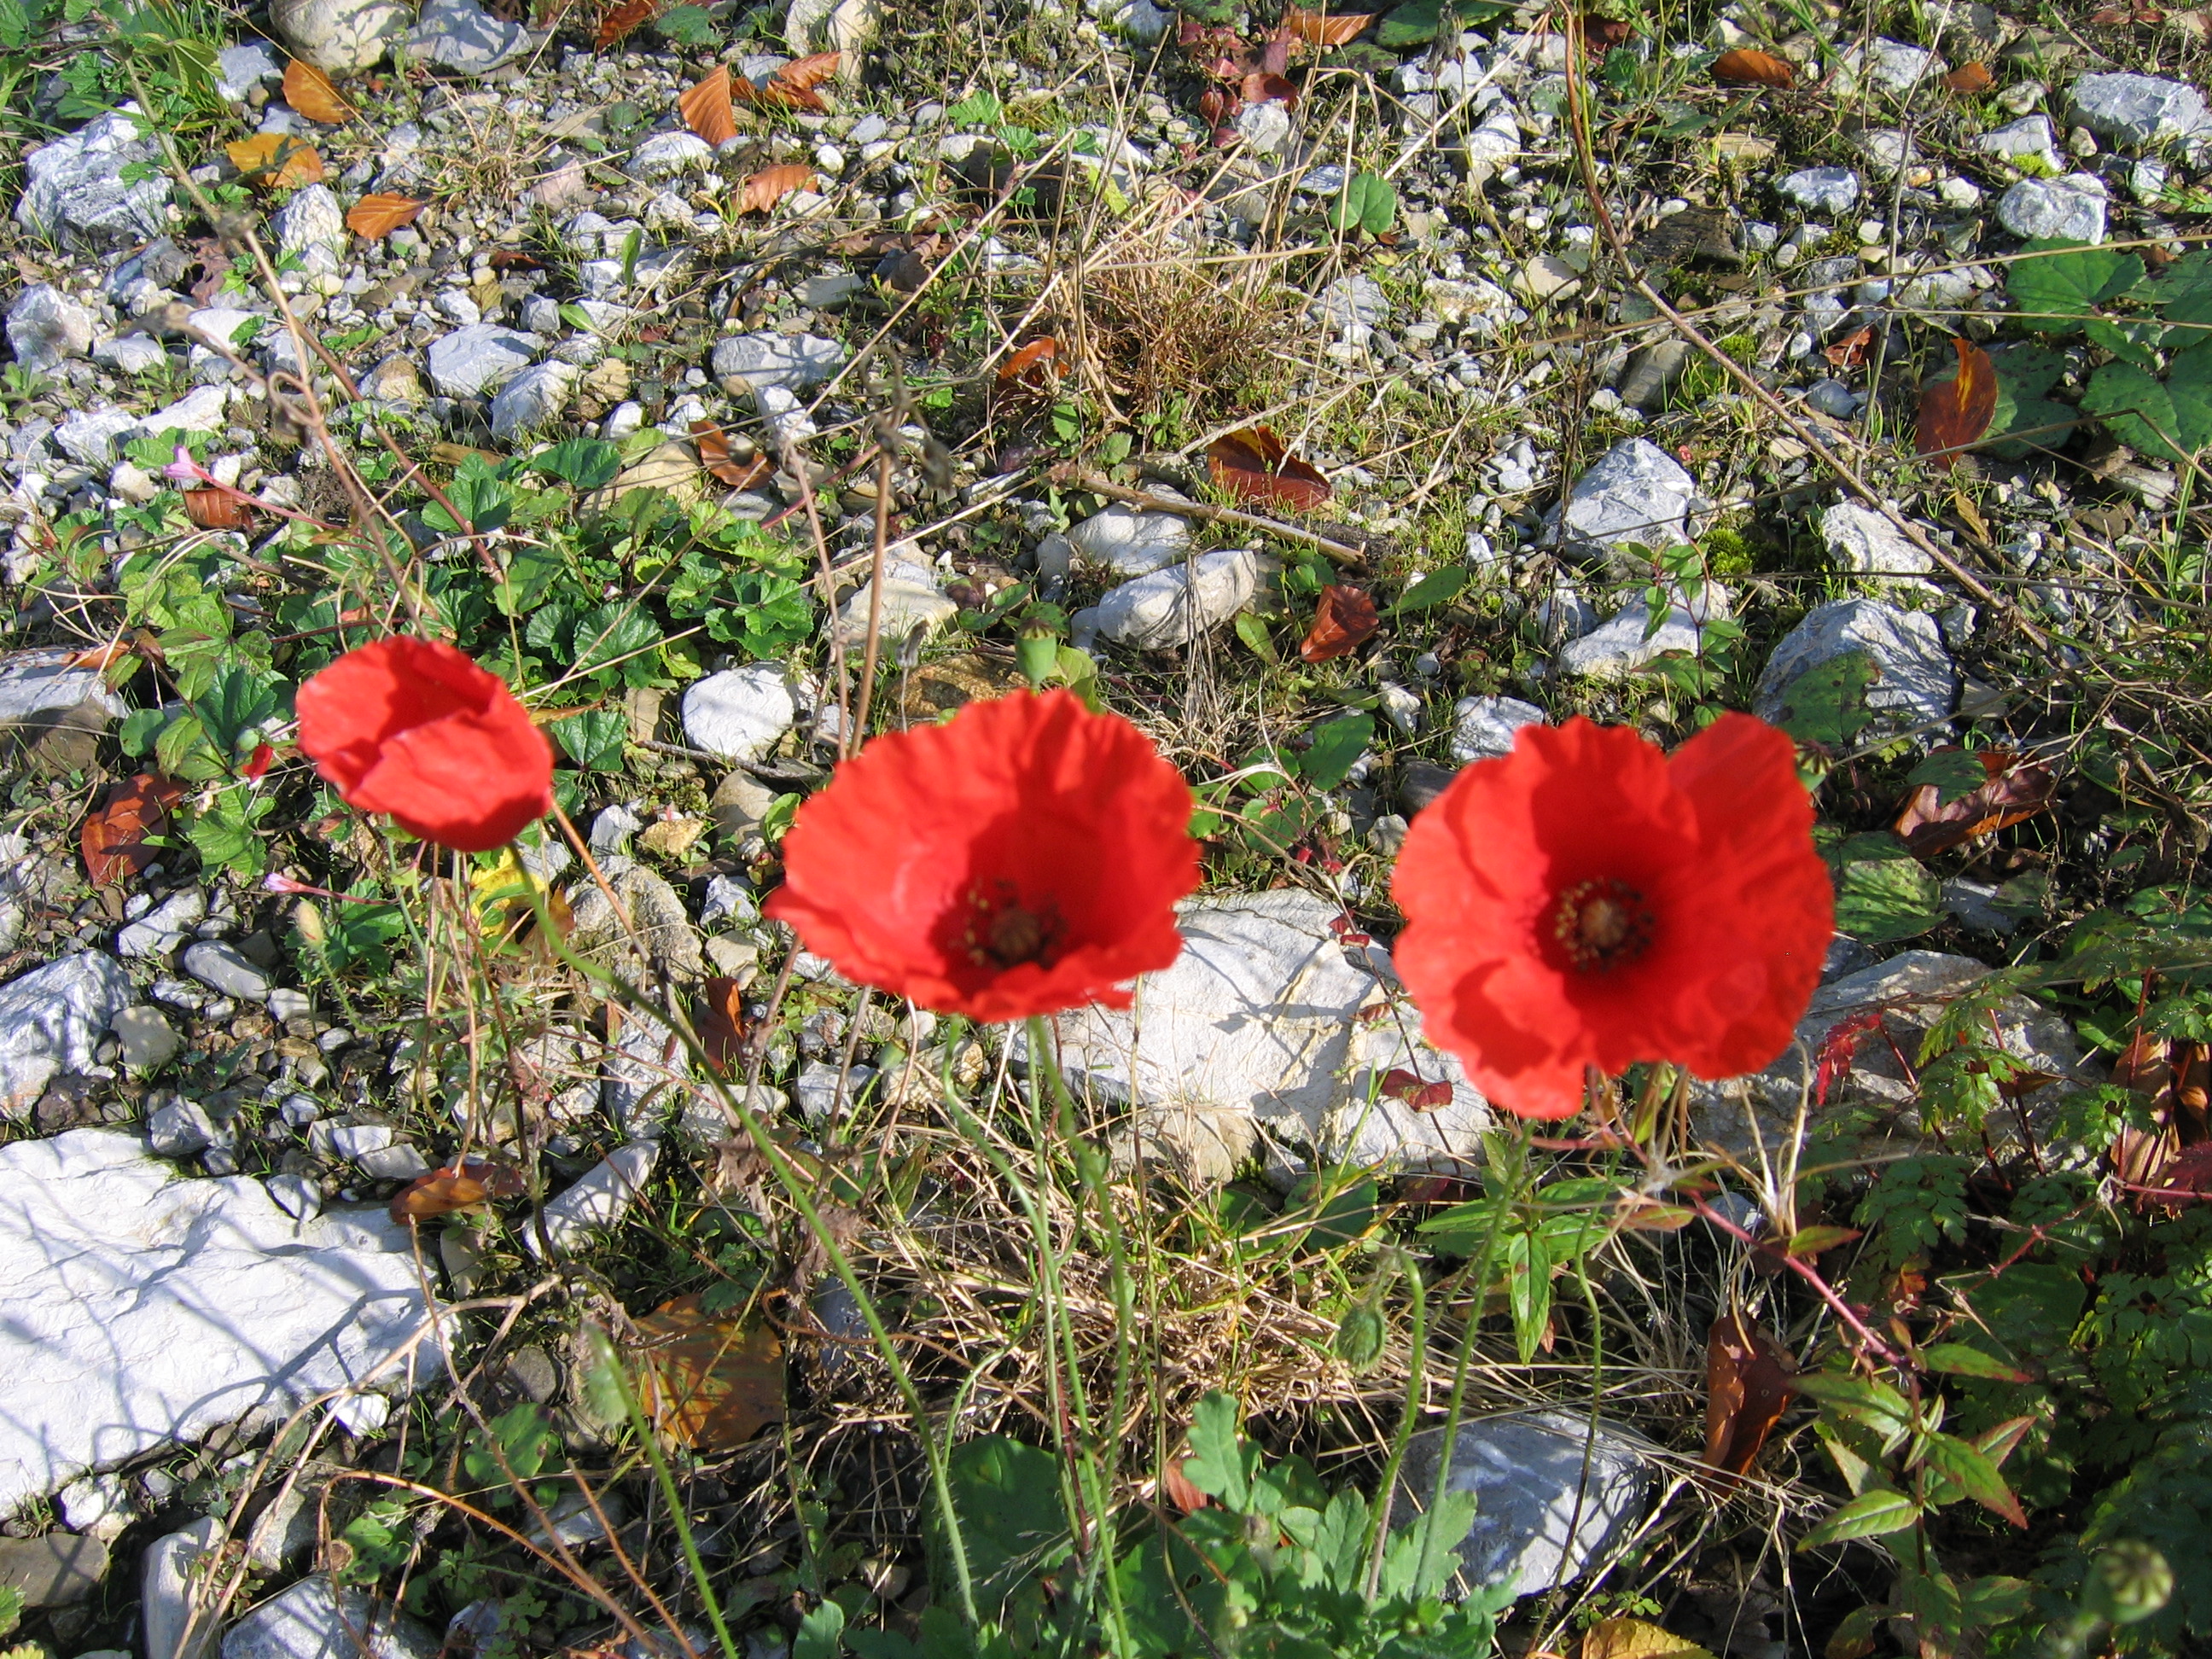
(1589, 901)
(1021, 859)
(413, 728)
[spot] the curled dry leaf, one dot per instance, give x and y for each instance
(1636, 1638)
(374, 217)
(705, 108)
(771, 185)
(455, 1186)
(1749, 1382)
(1175, 1486)
(117, 837)
(1851, 351)
(1744, 67)
(791, 86)
(722, 1025)
(277, 160)
(1969, 77)
(1954, 413)
(1344, 621)
(1255, 465)
(709, 1383)
(2015, 788)
(1418, 1093)
(713, 446)
(624, 20)
(1318, 29)
(1042, 356)
(1269, 90)
(309, 91)
(217, 509)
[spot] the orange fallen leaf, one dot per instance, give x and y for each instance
(771, 185)
(624, 20)
(714, 446)
(1175, 1486)
(1851, 351)
(309, 91)
(217, 509)
(705, 108)
(1749, 1382)
(1041, 354)
(455, 1186)
(277, 160)
(1744, 67)
(117, 837)
(1954, 413)
(1318, 29)
(791, 86)
(722, 1025)
(709, 1383)
(377, 215)
(1969, 77)
(2016, 788)
(1344, 621)
(1255, 465)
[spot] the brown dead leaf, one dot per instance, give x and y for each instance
(1175, 1486)
(277, 160)
(376, 217)
(624, 20)
(1748, 1387)
(1954, 413)
(1743, 67)
(710, 1383)
(705, 108)
(217, 509)
(771, 185)
(2017, 788)
(1269, 90)
(1318, 29)
(1042, 356)
(791, 86)
(455, 1186)
(713, 446)
(1255, 465)
(309, 91)
(1969, 78)
(117, 837)
(1399, 1084)
(722, 1025)
(1344, 621)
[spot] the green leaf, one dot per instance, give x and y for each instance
(1005, 1496)
(2189, 382)
(1954, 772)
(1254, 632)
(1336, 745)
(1959, 1360)
(1221, 1463)
(1972, 1474)
(139, 729)
(240, 700)
(1870, 1514)
(1826, 704)
(224, 831)
(593, 739)
(692, 26)
(1448, 1525)
(616, 638)
(1368, 202)
(2137, 408)
(1438, 587)
(531, 569)
(577, 318)
(2135, 340)
(2057, 286)
(586, 463)
(1874, 1406)
(821, 1633)
(1346, 1215)
(1527, 1291)
(1421, 21)
(1880, 900)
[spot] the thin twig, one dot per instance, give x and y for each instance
(1082, 477)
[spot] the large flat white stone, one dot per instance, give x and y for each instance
(144, 1309)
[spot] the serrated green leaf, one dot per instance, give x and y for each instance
(1336, 745)
(1957, 1359)
(2137, 409)
(1974, 1473)
(1222, 1462)
(1870, 1514)
(1875, 1405)
(586, 463)
(1421, 21)
(1880, 900)
(1826, 704)
(1954, 772)
(2057, 287)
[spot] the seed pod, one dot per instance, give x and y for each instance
(1359, 1337)
(2128, 1582)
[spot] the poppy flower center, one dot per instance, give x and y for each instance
(1602, 925)
(1003, 932)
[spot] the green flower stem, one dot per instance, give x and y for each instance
(1378, 1519)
